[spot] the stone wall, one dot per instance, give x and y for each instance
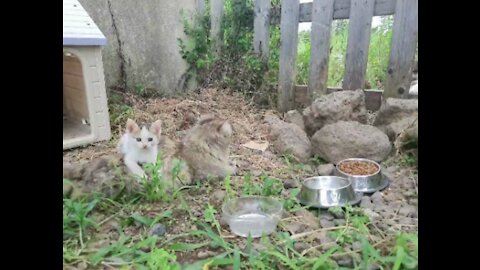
(142, 41)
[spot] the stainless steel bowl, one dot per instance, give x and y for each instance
(328, 191)
(364, 183)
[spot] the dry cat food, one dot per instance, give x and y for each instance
(358, 167)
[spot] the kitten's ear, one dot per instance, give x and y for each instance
(225, 128)
(156, 128)
(132, 126)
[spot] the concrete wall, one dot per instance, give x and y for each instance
(142, 41)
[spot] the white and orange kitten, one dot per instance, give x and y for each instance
(140, 145)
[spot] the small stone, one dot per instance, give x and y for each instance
(325, 169)
(366, 202)
(259, 246)
(408, 211)
(111, 225)
(307, 168)
(378, 203)
(395, 205)
(308, 219)
(223, 222)
(327, 216)
(382, 226)
(295, 227)
(339, 222)
(219, 195)
(256, 173)
(392, 169)
(390, 222)
(205, 254)
(321, 236)
(409, 193)
(374, 266)
(196, 213)
(345, 261)
(377, 196)
(357, 245)
(406, 221)
(373, 216)
(326, 223)
(387, 214)
(392, 196)
(299, 246)
(82, 266)
(413, 201)
(290, 183)
(336, 212)
(329, 245)
(158, 230)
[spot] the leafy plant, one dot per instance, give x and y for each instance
(271, 186)
(75, 217)
(291, 202)
(228, 187)
(154, 184)
(196, 49)
(160, 259)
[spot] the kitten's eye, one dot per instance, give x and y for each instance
(139, 139)
(150, 139)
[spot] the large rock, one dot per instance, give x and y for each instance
(394, 129)
(295, 117)
(142, 48)
(342, 105)
(394, 109)
(288, 138)
(396, 115)
(414, 88)
(408, 138)
(350, 139)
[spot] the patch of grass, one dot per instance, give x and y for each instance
(249, 187)
(134, 250)
(160, 259)
(409, 159)
(316, 160)
(76, 218)
(271, 186)
(291, 203)
(157, 185)
(119, 110)
(154, 185)
(293, 163)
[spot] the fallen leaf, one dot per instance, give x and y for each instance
(256, 145)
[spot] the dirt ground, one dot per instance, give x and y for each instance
(394, 209)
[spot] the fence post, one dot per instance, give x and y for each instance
(402, 50)
(217, 12)
(359, 30)
(288, 54)
(322, 15)
(261, 27)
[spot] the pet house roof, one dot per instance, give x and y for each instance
(78, 28)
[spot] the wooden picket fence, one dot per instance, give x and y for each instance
(321, 13)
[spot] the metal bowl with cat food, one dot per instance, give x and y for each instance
(328, 191)
(254, 215)
(366, 175)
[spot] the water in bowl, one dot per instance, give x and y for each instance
(253, 223)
